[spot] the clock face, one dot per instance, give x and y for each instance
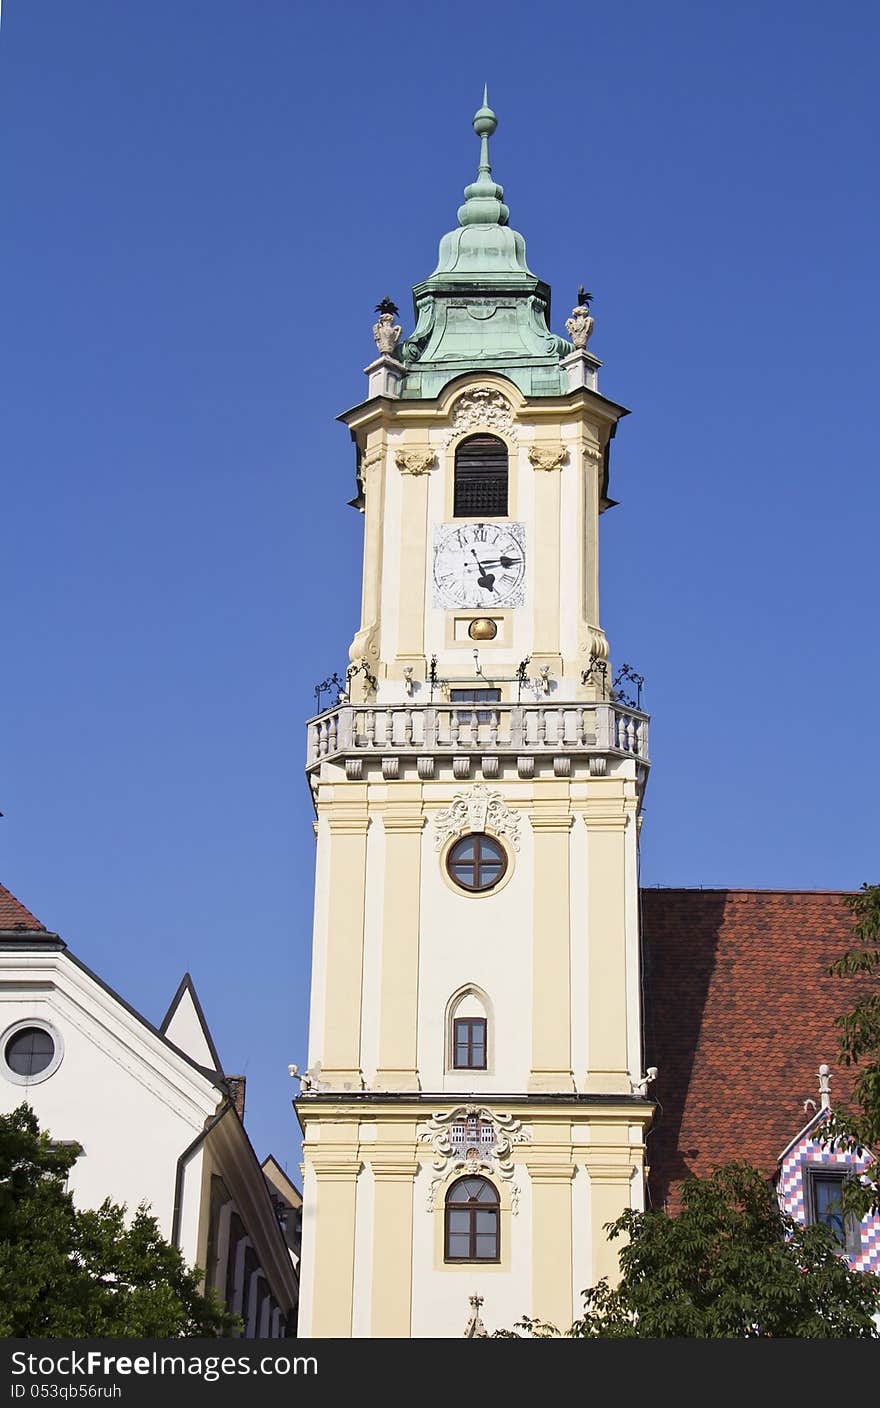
(479, 564)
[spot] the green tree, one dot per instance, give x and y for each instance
(729, 1265)
(71, 1273)
(858, 1129)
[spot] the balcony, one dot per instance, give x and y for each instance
(427, 732)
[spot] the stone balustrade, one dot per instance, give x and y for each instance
(548, 727)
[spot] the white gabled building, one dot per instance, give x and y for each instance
(157, 1119)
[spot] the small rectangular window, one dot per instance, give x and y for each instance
(474, 696)
(469, 1041)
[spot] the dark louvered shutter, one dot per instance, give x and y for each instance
(481, 477)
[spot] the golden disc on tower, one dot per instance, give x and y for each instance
(482, 629)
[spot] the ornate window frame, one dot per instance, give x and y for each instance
(477, 838)
(480, 810)
(482, 410)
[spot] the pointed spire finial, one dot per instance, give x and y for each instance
(483, 204)
(485, 123)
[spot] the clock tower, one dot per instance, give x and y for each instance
(474, 1110)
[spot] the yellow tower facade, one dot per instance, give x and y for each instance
(474, 1109)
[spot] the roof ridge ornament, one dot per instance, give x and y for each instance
(482, 199)
(824, 1074)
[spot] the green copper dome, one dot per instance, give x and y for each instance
(483, 309)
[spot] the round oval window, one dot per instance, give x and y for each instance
(29, 1051)
(476, 862)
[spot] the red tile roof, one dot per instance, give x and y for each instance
(13, 914)
(739, 1013)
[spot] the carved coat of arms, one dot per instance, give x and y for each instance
(473, 1139)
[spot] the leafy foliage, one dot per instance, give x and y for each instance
(730, 1265)
(859, 1129)
(71, 1273)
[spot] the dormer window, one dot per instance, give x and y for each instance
(481, 478)
(825, 1206)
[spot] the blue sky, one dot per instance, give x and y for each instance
(201, 203)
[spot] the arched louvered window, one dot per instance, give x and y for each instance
(481, 477)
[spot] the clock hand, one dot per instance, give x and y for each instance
(485, 580)
(501, 561)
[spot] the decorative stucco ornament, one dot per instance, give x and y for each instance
(365, 645)
(547, 457)
(478, 809)
(372, 459)
(472, 1139)
(483, 408)
(580, 325)
(387, 334)
(415, 461)
(475, 1329)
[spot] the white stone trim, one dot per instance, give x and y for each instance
(41, 1025)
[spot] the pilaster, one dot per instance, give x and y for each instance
(336, 1172)
(394, 1168)
(545, 569)
(551, 1180)
(341, 1049)
(606, 820)
(403, 823)
(551, 947)
(610, 1173)
(414, 465)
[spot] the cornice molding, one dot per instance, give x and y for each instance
(332, 1168)
(561, 1173)
(605, 816)
(549, 821)
(348, 825)
(403, 825)
(394, 1170)
(610, 1173)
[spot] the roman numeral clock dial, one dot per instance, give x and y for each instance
(479, 564)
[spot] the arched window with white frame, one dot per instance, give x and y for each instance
(468, 1031)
